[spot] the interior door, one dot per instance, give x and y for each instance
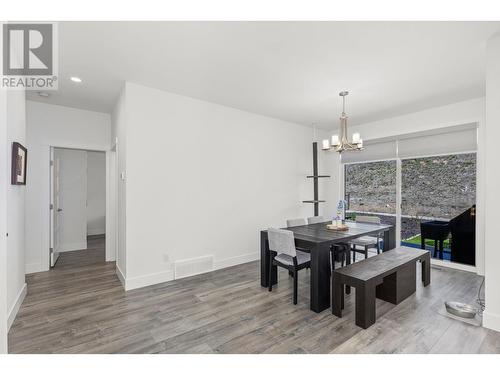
(55, 209)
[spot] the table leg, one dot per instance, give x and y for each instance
(426, 269)
(365, 306)
(337, 296)
(320, 277)
(264, 263)
(389, 239)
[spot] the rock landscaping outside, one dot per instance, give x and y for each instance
(438, 187)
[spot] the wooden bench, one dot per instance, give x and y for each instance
(390, 276)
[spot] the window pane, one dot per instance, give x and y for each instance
(438, 187)
(435, 189)
(370, 188)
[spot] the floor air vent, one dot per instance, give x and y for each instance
(193, 266)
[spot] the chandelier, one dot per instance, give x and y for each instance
(341, 143)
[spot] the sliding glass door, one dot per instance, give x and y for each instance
(423, 183)
(438, 195)
(437, 201)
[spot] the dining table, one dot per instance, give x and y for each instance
(318, 239)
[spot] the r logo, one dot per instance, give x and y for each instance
(28, 49)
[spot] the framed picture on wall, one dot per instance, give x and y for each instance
(19, 164)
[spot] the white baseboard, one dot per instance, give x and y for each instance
(95, 232)
(15, 307)
(73, 246)
(234, 261)
(33, 267)
(121, 276)
(491, 321)
(150, 279)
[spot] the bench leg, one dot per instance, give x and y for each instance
(365, 306)
(426, 270)
(399, 285)
(337, 296)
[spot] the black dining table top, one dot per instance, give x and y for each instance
(318, 233)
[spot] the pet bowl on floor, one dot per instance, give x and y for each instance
(461, 309)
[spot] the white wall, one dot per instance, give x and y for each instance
(16, 132)
(466, 112)
(204, 179)
(72, 199)
(51, 125)
(96, 193)
(491, 317)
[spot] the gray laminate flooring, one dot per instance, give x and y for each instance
(81, 307)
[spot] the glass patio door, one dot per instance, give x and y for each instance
(435, 190)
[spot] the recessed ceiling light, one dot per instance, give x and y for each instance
(43, 94)
(76, 79)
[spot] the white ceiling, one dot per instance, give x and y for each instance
(287, 70)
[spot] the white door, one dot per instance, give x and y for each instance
(55, 209)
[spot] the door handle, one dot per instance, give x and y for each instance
(59, 209)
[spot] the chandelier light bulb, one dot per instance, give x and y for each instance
(335, 140)
(356, 138)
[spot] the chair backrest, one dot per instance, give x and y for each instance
(281, 241)
(368, 219)
(315, 219)
(295, 222)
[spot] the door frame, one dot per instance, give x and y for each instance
(110, 197)
(53, 206)
(111, 203)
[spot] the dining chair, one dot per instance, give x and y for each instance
(290, 223)
(338, 251)
(315, 219)
(284, 254)
(366, 242)
(295, 222)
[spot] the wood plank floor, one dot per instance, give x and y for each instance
(80, 307)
